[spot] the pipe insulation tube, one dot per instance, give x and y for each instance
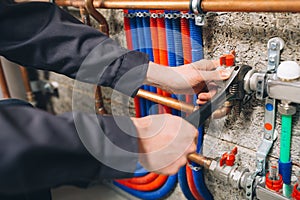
(176, 27)
(149, 51)
(171, 49)
(197, 54)
(153, 195)
(162, 48)
(141, 47)
(285, 164)
(285, 138)
(182, 179)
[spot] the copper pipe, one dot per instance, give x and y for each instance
(200, 160)
(166, 101)
(103, 25)
(131, 4)
(251, 5)
(85, 17)
(184, 5)
(26, 82)
(3, 84)
(223, 111)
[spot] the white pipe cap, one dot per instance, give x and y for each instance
(288, 70)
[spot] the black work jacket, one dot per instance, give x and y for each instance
(39, 150)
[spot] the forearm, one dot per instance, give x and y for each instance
(39, 150)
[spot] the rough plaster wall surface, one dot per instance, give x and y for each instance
(248, 34)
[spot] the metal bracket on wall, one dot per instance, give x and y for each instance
(200, 20)
(275, 45)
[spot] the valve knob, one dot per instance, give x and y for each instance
(228, 158)
(288, 70)
(227, 59)
(296, 192)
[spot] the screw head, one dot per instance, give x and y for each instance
(273, 45)
(286, 109)
(272, 58)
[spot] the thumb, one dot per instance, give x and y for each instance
(217, 75)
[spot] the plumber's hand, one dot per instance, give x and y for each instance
(188, 79)
(164, 142)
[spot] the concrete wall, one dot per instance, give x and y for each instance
(248, 34)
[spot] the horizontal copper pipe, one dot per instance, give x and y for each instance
(166, 101)
(3, 84)
(207, 5)
(131, 4)
(200, 160)
(251, 5)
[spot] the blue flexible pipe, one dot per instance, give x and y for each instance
(196, 43)
(153, 195)
(178, 48)
(149, 51)
(171, 49)
(140, 171)
(144, 104)
(184, 184)
(197, 54)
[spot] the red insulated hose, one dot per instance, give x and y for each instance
(144, 179)
(127, 30)
(162, 44)
(157, 183)
(192, 186)
(155, 47)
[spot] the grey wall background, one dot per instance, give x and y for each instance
(248, 34)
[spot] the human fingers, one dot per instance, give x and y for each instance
(216, 75)
(205, 65)
(203, 97)
(179, 162)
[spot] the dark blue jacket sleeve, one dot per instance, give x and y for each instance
(42, 36)
(39, 150)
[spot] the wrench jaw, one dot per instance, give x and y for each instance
(235, 88)
(233, 91)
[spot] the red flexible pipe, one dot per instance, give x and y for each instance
(155, 47)
(162, 44)
(150, 181)
(127, 30)
(144, 179)
(186, 47)
(157, 183)
(192, 186)
(129, 46)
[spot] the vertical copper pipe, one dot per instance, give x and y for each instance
(3, 84)
(26, 82)
(85, 17)
(103, 27)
